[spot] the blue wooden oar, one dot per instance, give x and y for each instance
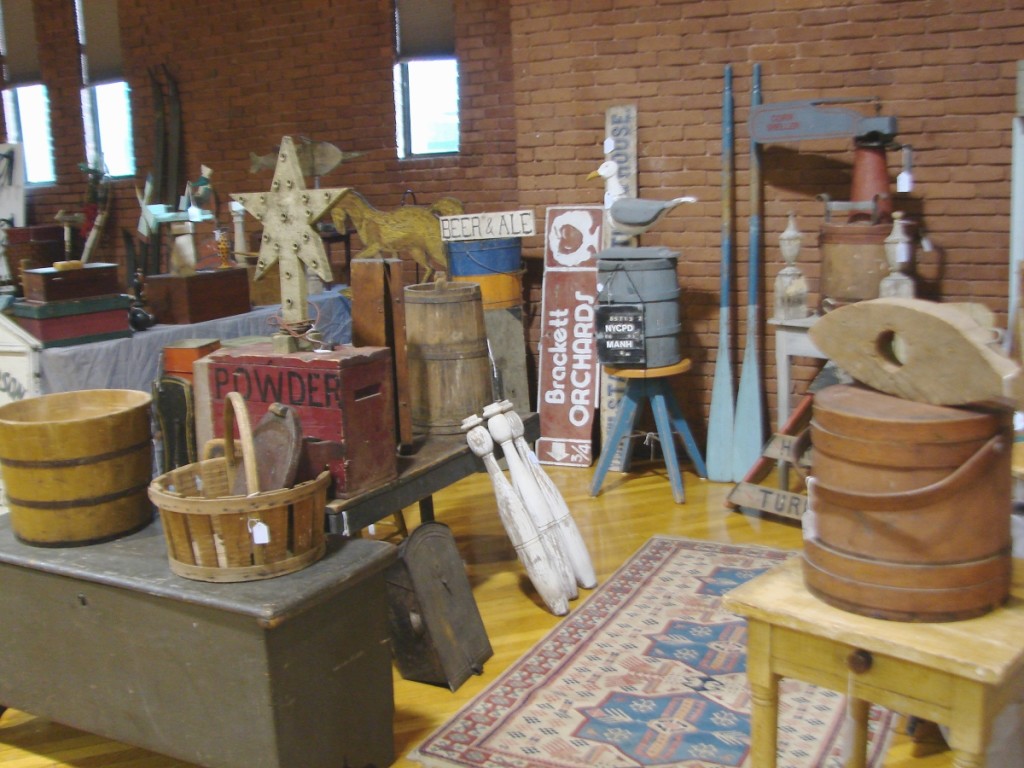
(748, 433)
(723, 399)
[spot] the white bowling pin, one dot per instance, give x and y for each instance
(520, 528)
(572, 541)
(533, 498)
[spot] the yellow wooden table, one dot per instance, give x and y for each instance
(957, 674)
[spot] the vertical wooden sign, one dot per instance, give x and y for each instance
(569, 372)
(620, 146)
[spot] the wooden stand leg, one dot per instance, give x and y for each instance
(668, 442)
(764, 691)
(679, 421)
(623, 427)
(859, 710)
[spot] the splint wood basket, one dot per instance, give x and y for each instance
(214, 535)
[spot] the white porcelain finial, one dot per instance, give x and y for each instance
(899, 250)
(790, 285)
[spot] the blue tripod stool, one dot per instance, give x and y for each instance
(651, 384)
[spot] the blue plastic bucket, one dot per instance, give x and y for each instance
(485, 257)
(495, 265)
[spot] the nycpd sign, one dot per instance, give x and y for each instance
(620, 335)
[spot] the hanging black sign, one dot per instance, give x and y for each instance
(620, 335)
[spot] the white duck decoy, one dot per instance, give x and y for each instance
(635, 216)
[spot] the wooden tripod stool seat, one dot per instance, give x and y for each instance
(651, 384)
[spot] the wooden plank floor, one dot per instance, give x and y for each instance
(629, 510)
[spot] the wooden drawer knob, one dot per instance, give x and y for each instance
(859, 661)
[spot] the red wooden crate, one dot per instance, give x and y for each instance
(344, 396)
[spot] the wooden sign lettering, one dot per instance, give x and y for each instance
(569, 372)
(486, 226)
(773, 500)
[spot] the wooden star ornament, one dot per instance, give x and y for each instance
(288, 212)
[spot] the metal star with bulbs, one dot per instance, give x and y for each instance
(288, 212)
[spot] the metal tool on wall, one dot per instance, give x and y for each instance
(748, 434)
(723, 400)
(853, 260)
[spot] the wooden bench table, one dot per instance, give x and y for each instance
(435, 463)
(958, 674)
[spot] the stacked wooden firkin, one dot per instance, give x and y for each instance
(910, 492)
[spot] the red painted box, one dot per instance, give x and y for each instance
(75, 321)
(344, 396)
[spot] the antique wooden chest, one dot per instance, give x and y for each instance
(344, 398)
(291, 672)
(206, 295)
(50, 284)
(75, 321)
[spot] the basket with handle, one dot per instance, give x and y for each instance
(212, 535)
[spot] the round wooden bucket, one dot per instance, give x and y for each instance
(449, 369)
(853, 262)
(76, 465)
(910, 505)
(214, 535)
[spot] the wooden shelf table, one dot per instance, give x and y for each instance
(958, 674)
(435, 463)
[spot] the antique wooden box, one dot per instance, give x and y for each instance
(75, 321)
(180, 355)
(344, 398)
(206, 295)
(49, 284)
(291, 672)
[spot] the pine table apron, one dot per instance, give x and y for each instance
(959, 674)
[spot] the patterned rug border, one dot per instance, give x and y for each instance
(621, 589)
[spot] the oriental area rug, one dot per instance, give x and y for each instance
(649, 671)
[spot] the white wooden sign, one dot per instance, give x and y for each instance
(486, 226)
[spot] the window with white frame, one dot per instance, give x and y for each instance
(27, 111)
(26, 101)
(427, 106)
(426, 78)
(106, 98)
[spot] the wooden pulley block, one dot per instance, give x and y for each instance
(920, 350)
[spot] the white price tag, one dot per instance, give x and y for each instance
(260, 532)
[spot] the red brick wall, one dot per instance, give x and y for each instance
(537, 78)
(946, 70)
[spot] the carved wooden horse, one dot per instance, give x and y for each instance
(411, 229)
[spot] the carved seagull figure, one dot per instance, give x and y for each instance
(634, 216)
(613, 189)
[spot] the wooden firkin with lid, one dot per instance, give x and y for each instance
(910, 506)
